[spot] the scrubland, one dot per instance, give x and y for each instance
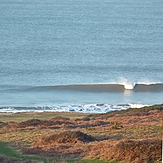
(132, 135)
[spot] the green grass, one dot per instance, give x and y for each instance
(19, 117)
(6, 150)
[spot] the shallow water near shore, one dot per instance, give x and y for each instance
(86, 56)
(80, 98)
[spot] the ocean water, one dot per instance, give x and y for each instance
(80, 55)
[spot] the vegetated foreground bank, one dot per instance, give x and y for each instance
(132, 135)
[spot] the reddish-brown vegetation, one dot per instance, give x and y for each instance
(132, 135)
(138, 151)
(66, 137)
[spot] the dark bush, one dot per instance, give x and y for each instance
(60, 118)
(2, 124)
(14, 160)
(31, 122)
(139, 151)
(67, 137)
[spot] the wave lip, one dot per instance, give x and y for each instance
(108, 87)
(129, 86)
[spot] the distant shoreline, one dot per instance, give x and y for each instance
(6, 116)
(74, 108)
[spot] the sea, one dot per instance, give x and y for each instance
(80, 55)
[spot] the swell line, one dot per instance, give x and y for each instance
(158, 87)
(148, 88)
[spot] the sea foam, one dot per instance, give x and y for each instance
(129, 85)
(85, 108)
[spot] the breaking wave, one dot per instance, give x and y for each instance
(87, 108)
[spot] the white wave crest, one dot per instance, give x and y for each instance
(129, 86)
(85, 108)
(136, 105)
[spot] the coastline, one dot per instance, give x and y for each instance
(76, 108)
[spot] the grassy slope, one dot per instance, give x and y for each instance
(130, 110)
(19, 117)
(26, 136)
(7, 151)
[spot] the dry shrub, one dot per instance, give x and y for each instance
(37, 122)
(86, 119)
(139, 151)
(61, 121)
(77, 150)
(68, 144)
(2, 124)
(66, 137)
(100, 150)
(31, 122)
(60, 118)
(129, 150)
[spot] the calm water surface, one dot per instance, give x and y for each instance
(73, 54)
